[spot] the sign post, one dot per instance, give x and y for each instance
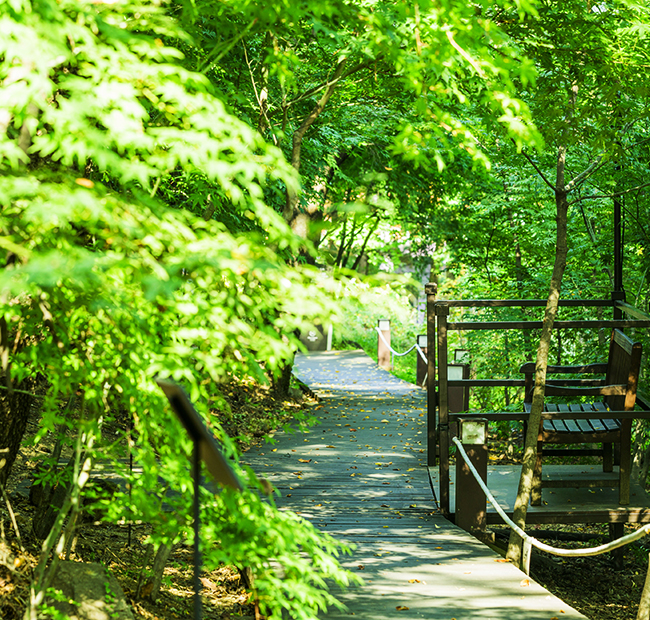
(206, 450)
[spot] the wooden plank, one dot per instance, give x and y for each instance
(595, 368)
(521, 303)
(486, 383)
(493, 416)
(567, 505)
(631, 310)
(590, 483)
(502, 325)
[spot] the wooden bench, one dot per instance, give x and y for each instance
(607, 421)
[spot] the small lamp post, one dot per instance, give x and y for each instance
(470, 498)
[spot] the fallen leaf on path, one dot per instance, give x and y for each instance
(401, 608)
(502, 560)
(361, 567)
(304, 460)
(524, 583)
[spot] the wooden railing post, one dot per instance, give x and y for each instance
(431, 291)
(383, 344)
(442, 312)
(617, 296)
(421, 365)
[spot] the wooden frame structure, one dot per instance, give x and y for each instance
(439, 417)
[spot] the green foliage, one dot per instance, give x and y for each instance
(363, 303)
(109, 283)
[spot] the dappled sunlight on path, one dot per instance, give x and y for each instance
(360, 474)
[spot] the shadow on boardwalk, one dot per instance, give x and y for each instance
(361, 475)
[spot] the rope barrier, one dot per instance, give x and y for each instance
(415, 346)
(579, 553)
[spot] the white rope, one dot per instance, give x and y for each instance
(421, 352)
(415, 346)
(610, 546)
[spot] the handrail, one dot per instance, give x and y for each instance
(472, 325)
(522, 303)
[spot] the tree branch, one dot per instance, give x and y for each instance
(613, 195)
(538, 170)
(584, 174)
(330, 83)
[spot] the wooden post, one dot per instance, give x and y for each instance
(617, 296)
(442, 312)
(431, 291)
(471, 510)
(421, 365)
(383, 344)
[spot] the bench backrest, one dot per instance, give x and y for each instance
(623, 366)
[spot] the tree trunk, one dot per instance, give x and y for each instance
(15, 405)
(561, 190)
(15, 408)
(541, 363)
(281, 382)
(644, 603)
(299, 222)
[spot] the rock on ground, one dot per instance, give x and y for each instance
(90, 592)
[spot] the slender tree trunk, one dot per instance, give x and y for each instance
(373, 228)
(15, 402)
(300, 221)
(644, 604)
(541, 362)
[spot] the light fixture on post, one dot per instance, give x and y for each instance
(461, 356)
(473, 431)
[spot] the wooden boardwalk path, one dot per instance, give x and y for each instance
(361, 475)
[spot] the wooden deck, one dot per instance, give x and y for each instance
(598, 504)
(361, 475)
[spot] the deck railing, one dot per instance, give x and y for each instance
(438, 328)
